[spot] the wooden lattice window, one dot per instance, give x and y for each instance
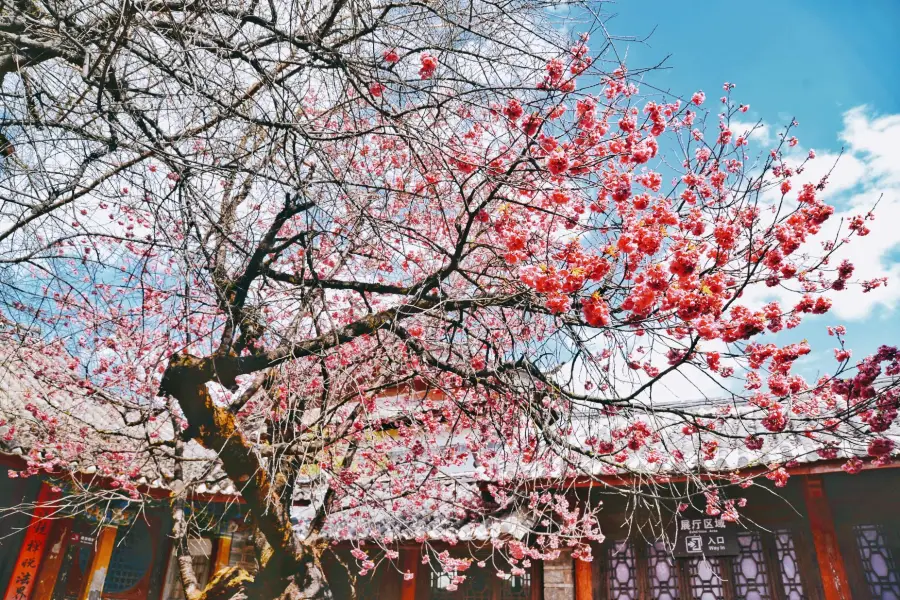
(439, 584)
(662, 573)
(622, 568)
(517, 587)
(767, 568)
(704, 578)
(131, 558)
(788, 565)
(751, 572)
(482, 584)
(879, 561)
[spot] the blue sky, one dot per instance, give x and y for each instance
(810, 58)
(834, 65)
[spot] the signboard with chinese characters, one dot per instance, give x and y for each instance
(699, 534)
(25, 571)
(83, 539)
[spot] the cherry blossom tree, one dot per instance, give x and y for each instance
(406, 258)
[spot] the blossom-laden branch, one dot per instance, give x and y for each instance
(327, 257)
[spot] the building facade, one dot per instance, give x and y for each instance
(825, 535)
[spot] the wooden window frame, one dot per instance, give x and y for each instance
(141, 588)
(804, 558)
(851, 552)
(536, 583)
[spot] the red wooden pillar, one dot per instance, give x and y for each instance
(409, 565)
(584, 585)
(828, 553)
(25, 572)
(53, 559)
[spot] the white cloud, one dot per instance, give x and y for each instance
(876, 139)
(869, 169)
(759, 133)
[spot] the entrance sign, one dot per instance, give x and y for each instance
(698, 534)
(83, 539)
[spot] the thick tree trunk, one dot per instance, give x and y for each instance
(288, 569)
(215, 428)
(308, 583)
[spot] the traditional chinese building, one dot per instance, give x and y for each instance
(826, 535)
(814, 531)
